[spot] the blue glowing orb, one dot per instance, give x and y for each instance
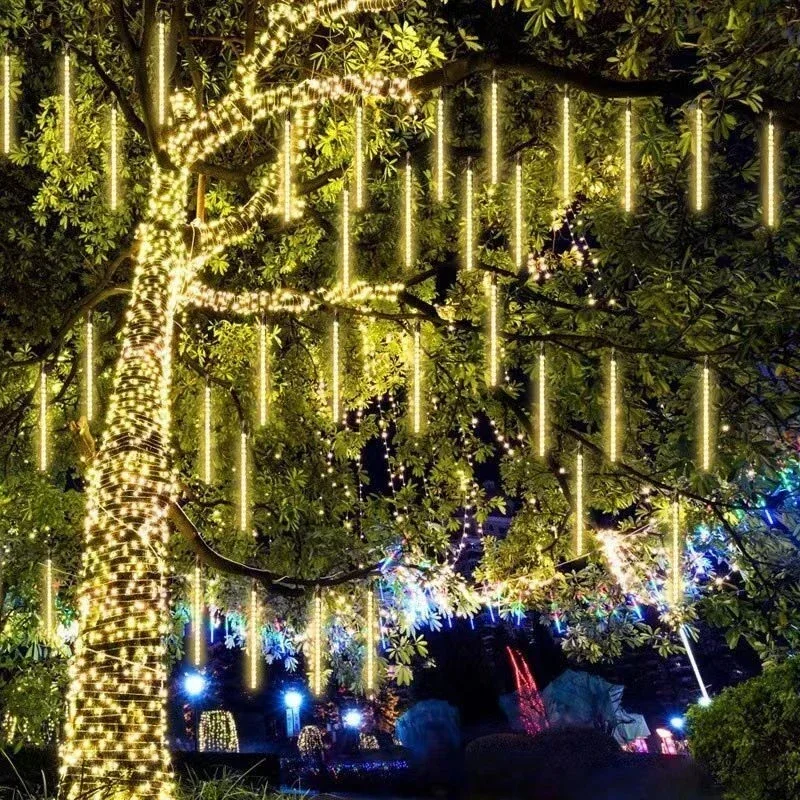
(677, 723)
(194, 684)
(293, 699)
(353, 718)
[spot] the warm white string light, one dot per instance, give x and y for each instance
(705, 420)
(43, 432)
(494, 334)
(197, 616)
(358, 167)
(440, 147)
(253, 641)
(770, 189)
(244, 499)
(494, 150)
(542, 404)
(579, 512)
(161, 45)
(113, 159)
(316, 656)
(676, 560)
(49, 610)
(263, 373)
(518, 225)
(288, 198)
(6, 124)
(206, 443)
(335, 370)
(408, 197)
(613, 412)
(628, 178)
(469, 222)
(416, 403)
(370, 644)
(66, 111)
(566, 154)
(89, 368)
(346, 244)
(699, 155)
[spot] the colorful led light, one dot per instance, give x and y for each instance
(161, 45)
(676, 560)
(358, 167)
(252, 641)
(6, 125)
(335, 388)
(244, 499)
(66, 110)
(469, 222)
(699, 155)
(495, 132)
(440, 146)
(207, 474)
(542, 404)
(566, 154)
(770, 189)
(613, 412)
(518, 224)
(263, 373)
(408, 197)
(89, 369)
(43, 432)
(627, 200)
(197, 616)
(287, 170)
(370, 644)
(346, 251)
(113, 160)
(579, 511)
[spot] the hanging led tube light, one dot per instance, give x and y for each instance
(518, 225)
(161, 55)
(627, 199)
(335, 370)
(287, 169)
(770, 201)
(566, 151)
(6, 122)
(43, 432)
(66, 111)
(49, 605)
(408, 197)
(89, 369)
(494, 333)
(494, 150)
(699, 157)
(244, 499)
(206, 443)
(197, 616)
(416, 399)
(705, 418)
(263, 373)
(113, 160)
(252, 641)
(613, 411)
(579, 510)
(440, 146)
(542, 404)
(358, 160)
(469, 222)
(370, 681)
(676, 559)
(346, 244)
(316, 655)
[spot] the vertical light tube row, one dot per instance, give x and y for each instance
(316, 672)
(566, 153)
(253, 640)
(699, 127)
(49, 616)
(66, 122)
(359, 156)
(113, 160)
(494, 358)
(162, 72)
(346, 238)
(518, 231)
(207, 432)
(243, 492)
(263, 373)
(705, 434)
(335, 387)
(407, 222)
(579, 521)
(676, 560)
(771, 196)
(417, 388)
(287, 169)
(495, 133)
(43, 432)
(197, 616)
(542, 403)
(628, 186)
(612, 408)
(440, 133)
(469, 223)
(89, 368)
(6, 102)
(370, 643)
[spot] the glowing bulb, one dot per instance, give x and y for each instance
(287, 169)
(207, 432)
(253, 648)
(6, 103)
(542, 404)
(699, 152)
(49, 616)
(417, 385)
(565, 151)
(359, 156)
(494, 360)
(66, 122)
(469, 232)
(612, 409)
(440, 122)
(579, 522)
(676, 593)
(770, 188)
(705, 434)
(113, 158)
(370, 643)
(316, 667)
(409, 202)
(346, 239)
(162, 72)
(335, 399)
(495, 133)
(518, 232)
(197, 616)
(628, 188)
(89, 369)
(243, 470)
(263, 374)
(42, 419)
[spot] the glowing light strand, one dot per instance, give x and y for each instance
(518, 223)
(207, 444)
(243, 480)
(370, 644)
(161, 45)
(316, 658)
(495, 132)
(417, 381)
(49, 611)
(613, 411)
(579, 510)
(346, 244)
(6, 124)
(566, 151)
(358, 167)
(253, 641)
(676, 558)
(494, 344)
(770, 199)
(263, 373)
(43, 432)
(440, 147)
(288, 198)
(113, 159)
(699, 154)
(469, 223)
(542, 403)
(408, 223)
(628, 177)
(335, 373)
(89, 369)
(66, 111)
(197, 616)
(705, 421)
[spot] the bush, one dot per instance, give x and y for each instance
(748, 737)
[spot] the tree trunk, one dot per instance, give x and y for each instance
(116, 730)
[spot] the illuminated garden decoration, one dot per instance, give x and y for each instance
(379, 271)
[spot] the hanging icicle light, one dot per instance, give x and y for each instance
(518, 225)
(627, 198)
(469, 222)
(566, 152)
(358, 161)
(770, 182)
(676, 560)
(335, 388)
(206, 443)
(113, 160)
(48, 617)
(440, 134)
(253, 641)
(244, 499)
(43, 432)
(6, 122)
(705, 418)
(161, 46)
(287, 169)
(542, 404)
(494, 334)
(494, 149)
(316, 656)
(613, 413)
(408, 197)
(263, 373)
(579, 511)
(66, 110)
(416, 400)
(699, 157)
(89, 369)
(370, 678)
(346, 251)
(197, 616)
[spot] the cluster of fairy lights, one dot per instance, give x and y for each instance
(216, 732)
(124, 564)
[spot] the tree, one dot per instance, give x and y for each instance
(665, 291)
